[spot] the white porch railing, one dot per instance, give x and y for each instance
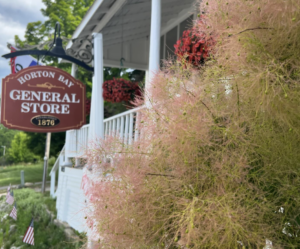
(59, 161)
(124, 125)
(76, 141)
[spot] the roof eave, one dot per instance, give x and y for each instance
(89, 15)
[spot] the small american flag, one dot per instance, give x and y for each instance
(29, 235)
(13, 212)
(10, 198)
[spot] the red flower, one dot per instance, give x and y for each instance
(194, 46)
(118, 90)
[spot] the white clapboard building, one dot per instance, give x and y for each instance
(136, 34)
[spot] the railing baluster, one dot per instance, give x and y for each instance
(130, 128)
(78, 141)
(126, 129)
(122, 129)
(118, 127)
(110, 127)
(106, 128)
(86, 136)
(107, 123)
(104, 123)
(137, 124)
(114, 128)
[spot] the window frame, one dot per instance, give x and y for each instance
(174, 24)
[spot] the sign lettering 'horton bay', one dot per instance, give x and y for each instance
(42, 99)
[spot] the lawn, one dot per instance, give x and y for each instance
(31, 204)
(12, 174)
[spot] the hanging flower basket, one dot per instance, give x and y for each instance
(194, 46)
(118, 90)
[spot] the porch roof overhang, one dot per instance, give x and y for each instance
(127, 21)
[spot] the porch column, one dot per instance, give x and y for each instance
(69, 140)
(96, 129)
(74, 74)
(154, 39)
(74, 70)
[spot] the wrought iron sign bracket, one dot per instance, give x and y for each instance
(58, 51)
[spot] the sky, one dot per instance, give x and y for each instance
(14, 17)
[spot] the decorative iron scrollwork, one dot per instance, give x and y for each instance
(40, 46)
(81, 50)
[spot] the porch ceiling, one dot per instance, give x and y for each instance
(122, 21)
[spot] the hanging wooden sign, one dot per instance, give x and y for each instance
(42, 99)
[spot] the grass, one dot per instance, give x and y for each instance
(12, 174)
(46, 234)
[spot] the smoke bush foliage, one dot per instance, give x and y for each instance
(219, 152)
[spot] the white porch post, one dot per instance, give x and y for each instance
(96, 129)
(154, 39)
(67, 161)
(74, 70)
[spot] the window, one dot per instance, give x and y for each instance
(171, 38)
(186, 24)
(168, 40)
(161, 54)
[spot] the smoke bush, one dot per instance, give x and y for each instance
(217, 164)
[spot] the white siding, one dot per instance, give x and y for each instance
(70, 198)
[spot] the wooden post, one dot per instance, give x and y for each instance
(22, 178)
(46, 158)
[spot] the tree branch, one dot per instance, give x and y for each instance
(248, 30)
(150, 174)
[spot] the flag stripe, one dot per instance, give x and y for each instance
(13, 213)
(29, 239)
(29, 235)
(10, 200)
(26, 235)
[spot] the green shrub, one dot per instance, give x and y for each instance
(19, 152)
(51, 161)
(46, 234)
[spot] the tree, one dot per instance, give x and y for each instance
(69, 14)
(19, 151)
(6, 136)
